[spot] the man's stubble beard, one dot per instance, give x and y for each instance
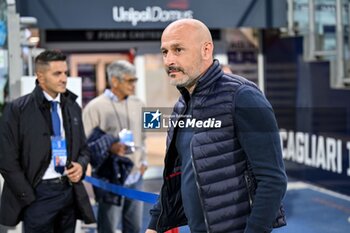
(186, 81)
(180, 83)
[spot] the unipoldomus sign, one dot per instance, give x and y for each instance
(150, 14)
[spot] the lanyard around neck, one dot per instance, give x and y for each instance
(118, 116)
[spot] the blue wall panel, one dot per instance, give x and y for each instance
(314, 118)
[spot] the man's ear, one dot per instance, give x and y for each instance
(207, 50)
(39, 76)
(115, 81)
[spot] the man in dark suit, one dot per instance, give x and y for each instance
(37, 130)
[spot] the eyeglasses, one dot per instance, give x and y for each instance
(130, 80)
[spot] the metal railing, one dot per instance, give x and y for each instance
(340, 66)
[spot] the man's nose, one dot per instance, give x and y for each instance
(64, 77)
(169, 59)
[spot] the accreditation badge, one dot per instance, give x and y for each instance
(59, 151)
(127, 138)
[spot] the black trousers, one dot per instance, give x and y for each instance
(53, 210)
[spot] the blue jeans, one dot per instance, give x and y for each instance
(129, 214)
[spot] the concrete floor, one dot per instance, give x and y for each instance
(309, 209)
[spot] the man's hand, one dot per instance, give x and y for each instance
(75, 172)
(118, 148)
(143, 168)
(150, 231)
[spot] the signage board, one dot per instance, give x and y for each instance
(153, 14)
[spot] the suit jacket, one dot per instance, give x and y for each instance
(25, 152)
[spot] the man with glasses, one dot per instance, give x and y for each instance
(117, 113)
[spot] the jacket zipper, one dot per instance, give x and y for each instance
(201, 201)
(161, 196)
(195, 175)
(248, 185)
(161, 209)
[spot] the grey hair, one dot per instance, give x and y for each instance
(120, 68)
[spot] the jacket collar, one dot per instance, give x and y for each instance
(38, 94)
(213, 73)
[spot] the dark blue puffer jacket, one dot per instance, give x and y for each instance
(220, 163)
